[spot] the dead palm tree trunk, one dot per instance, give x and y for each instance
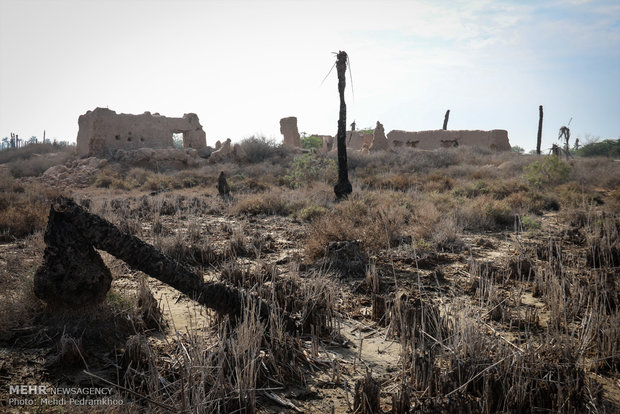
(103, 235)
(539, 136)
(343, 187)
(445, 120)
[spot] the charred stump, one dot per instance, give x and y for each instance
(343, 187)
(540, 123)
(222, 186)
(73, 274)
(445, 120)
(94, 231)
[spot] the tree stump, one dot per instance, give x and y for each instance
(73, 229)
(73, 274)
(222, 186)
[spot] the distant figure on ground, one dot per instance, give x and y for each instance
(222, 186)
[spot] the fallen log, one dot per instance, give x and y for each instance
(103, 235)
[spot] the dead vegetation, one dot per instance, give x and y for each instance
(479, 285)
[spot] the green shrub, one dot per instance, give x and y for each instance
(111, 177)
(258, 149)
(311, 212)
(499, 212)
(607, 148)
(548, 171)
(530, 223)
(311, 142)
(311, 167)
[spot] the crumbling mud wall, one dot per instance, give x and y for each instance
(288, 128)
(356, 140)
(103, 130)
(496, 139)
(379, 140)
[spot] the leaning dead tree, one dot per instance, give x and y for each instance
(66, 282)
(540, 123)
(343, 187)
(445, 120)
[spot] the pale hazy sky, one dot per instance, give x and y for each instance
(243, 65)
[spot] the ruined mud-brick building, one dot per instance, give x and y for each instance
(288, 128)
(103, 130)
(496, 139)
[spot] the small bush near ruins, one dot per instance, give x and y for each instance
(311, 142)
(606, 148)
(550, 170)
(308, 168)
(259, 149)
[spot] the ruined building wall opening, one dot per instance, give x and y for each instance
(178, 139)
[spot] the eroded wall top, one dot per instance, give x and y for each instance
(103, 130)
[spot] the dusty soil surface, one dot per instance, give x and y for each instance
(335, 361)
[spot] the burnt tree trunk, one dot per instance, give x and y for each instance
(445, 120)
(343, 187)
(73, 275)
(539, 136)
(103, 235)
(222, 186)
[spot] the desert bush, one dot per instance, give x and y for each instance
(395, 182)
(112, 177)
(24, 211)
(311, 142)
(270, 203)
(377, 220)
(446, 234)
(161, 182)
(532, 201)
(595, 172)
(32, 150)
(258, 149)
(548, 171)
(241, 183)
(606, 148)
(37, 165)
(311, 167)
(437, 181)
(311, 212)
(405, 160)
(425, 215)
(484, 213)
(530, 223)
(572, 194)
(473, 189)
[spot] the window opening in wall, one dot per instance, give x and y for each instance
(118, 137)
(177, 140)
